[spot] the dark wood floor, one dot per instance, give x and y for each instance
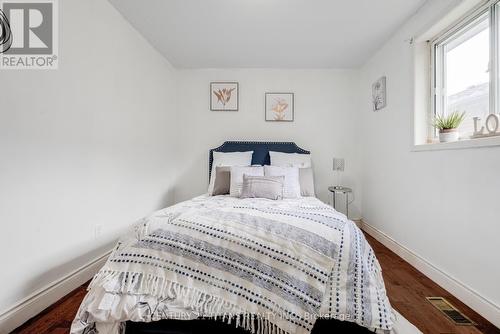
(406, 288)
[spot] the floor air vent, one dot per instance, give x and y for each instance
(450, 311)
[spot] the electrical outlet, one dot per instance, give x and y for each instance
(97, 231)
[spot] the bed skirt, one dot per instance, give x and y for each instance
(201, 326)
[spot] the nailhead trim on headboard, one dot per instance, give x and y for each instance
(292, 145)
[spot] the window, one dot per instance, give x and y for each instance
(464, 68)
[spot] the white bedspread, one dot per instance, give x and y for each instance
(267, 266)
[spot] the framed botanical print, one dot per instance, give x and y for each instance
(379, 99)
(279, 107)
(224, 96)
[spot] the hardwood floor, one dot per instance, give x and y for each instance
(406, 288)
(57, 318)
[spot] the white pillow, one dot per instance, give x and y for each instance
(291, 183)
(270, 187)
(290, 159)
(306, 180)
(237, 178)
(228, 159)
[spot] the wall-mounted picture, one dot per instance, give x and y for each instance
(224, 96)
(279, 107)
(379, 94)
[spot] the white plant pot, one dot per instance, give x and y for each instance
(446, 136)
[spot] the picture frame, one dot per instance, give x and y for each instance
(379, 94)
(224, 96)
(279, 107)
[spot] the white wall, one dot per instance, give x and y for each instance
(325, 110)
(442, 205)
(88, 144)
(116, 133)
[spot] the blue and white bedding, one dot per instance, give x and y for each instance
(266, 266)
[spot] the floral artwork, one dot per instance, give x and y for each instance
(224, 96)
(279, 107)
(379, 94)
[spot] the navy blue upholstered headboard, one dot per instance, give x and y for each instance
(260, 150)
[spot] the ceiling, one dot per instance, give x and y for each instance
(267, 33)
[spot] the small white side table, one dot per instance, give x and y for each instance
(341, 190)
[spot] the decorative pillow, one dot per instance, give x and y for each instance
(237, 177)
(222, 181)
(270, 187)
(290, 159)
(228, 159)
(291, 174)
(306, 180)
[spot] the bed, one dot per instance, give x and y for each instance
(229, 265)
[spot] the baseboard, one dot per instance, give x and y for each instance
(43, 298)
(468, 296)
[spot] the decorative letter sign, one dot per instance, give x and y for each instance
(480, 132)
(492, 128)
(492, 124)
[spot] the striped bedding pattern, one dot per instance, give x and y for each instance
(266, 266)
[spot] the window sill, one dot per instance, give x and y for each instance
(458, 145)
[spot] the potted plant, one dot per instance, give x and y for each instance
(447, 126)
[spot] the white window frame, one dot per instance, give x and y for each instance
(437, 96)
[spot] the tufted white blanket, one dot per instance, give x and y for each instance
(266, 266)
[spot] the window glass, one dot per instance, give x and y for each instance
(462, 73)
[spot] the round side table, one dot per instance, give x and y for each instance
(341, 190)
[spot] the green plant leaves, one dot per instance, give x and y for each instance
(451, 121)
